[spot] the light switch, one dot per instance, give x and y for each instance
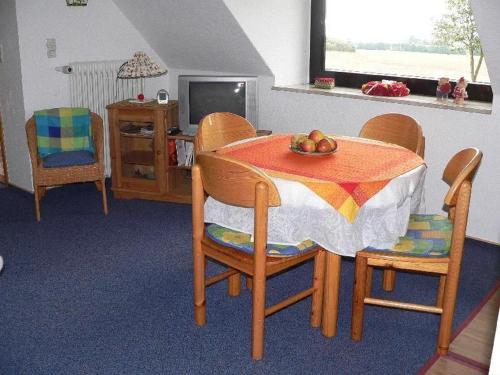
(51, 48)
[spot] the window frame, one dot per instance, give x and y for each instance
(419, 86)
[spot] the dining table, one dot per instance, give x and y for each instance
(359, 195)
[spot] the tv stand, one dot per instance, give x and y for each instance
(139, 152)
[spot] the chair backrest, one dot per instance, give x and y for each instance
(221, 128)
(395, 128)
(459, 173)
(232, 181)
(235, 183)
(461, 167)
(97, 136)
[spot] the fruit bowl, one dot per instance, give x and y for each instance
(314, 153)
(313, 144)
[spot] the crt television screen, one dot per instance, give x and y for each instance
(209, 97)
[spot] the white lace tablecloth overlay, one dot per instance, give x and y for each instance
(303, 214)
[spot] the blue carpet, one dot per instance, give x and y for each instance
(82, 293)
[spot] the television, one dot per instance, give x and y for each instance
(202, 95)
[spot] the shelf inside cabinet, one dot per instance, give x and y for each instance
(139, 157)
(137, 129)
(138, 135)
(180, 182)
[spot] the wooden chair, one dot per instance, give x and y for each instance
(218, 130)
(221, 128)
(237, 183)
(44, 177)
(433, 244)
(395, 128)
(401, 130)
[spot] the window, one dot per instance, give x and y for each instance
(357, 41)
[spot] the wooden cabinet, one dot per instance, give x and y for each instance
(139, 155)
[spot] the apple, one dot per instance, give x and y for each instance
(308, 145)
(316, 136)
(333, 143)
(297, 139)
(324, 146)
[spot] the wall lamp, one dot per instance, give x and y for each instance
(76, 2)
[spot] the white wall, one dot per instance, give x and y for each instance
(446, 131)
(98, 31)
(11, 95)
(279, 32)
(195, 35)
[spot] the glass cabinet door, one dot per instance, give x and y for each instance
(137, 148)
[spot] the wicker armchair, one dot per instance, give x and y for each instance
(44, 177)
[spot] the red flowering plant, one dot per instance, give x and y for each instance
(385, 88)
(324, 82)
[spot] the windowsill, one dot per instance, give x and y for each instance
(416, 100)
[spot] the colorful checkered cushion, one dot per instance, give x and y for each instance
(63, 129)
(242, 241)
(427, 235)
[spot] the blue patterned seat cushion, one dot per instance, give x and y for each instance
(427, 235)
(68, 159)
(242, 241)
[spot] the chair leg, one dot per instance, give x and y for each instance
(104, 196)
(234, 285)
(449, 300)
(331, 295)
(37, 203)
(358, 303)
(440, 293)
(41, 192)
(98, 185)
(389, 280)
(249, 282)
(199, 262)
(369, 279)
(258, 307)
(318, 285)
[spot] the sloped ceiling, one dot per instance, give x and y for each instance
(195, 35)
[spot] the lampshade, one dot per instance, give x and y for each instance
(140, 66)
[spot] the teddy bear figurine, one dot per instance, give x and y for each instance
(443, 89)
(460, 92)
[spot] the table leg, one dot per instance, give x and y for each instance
(331, 294)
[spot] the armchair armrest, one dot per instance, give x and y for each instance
(98, 137)
(32, 147)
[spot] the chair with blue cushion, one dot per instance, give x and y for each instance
(432, 245)
(239, 184)
(65, 146)
(401, 130)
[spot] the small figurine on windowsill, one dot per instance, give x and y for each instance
(460, 92)
(443, 89)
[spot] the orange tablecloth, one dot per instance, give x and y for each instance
(360, 168)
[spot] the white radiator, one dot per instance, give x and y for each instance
(94, 85)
